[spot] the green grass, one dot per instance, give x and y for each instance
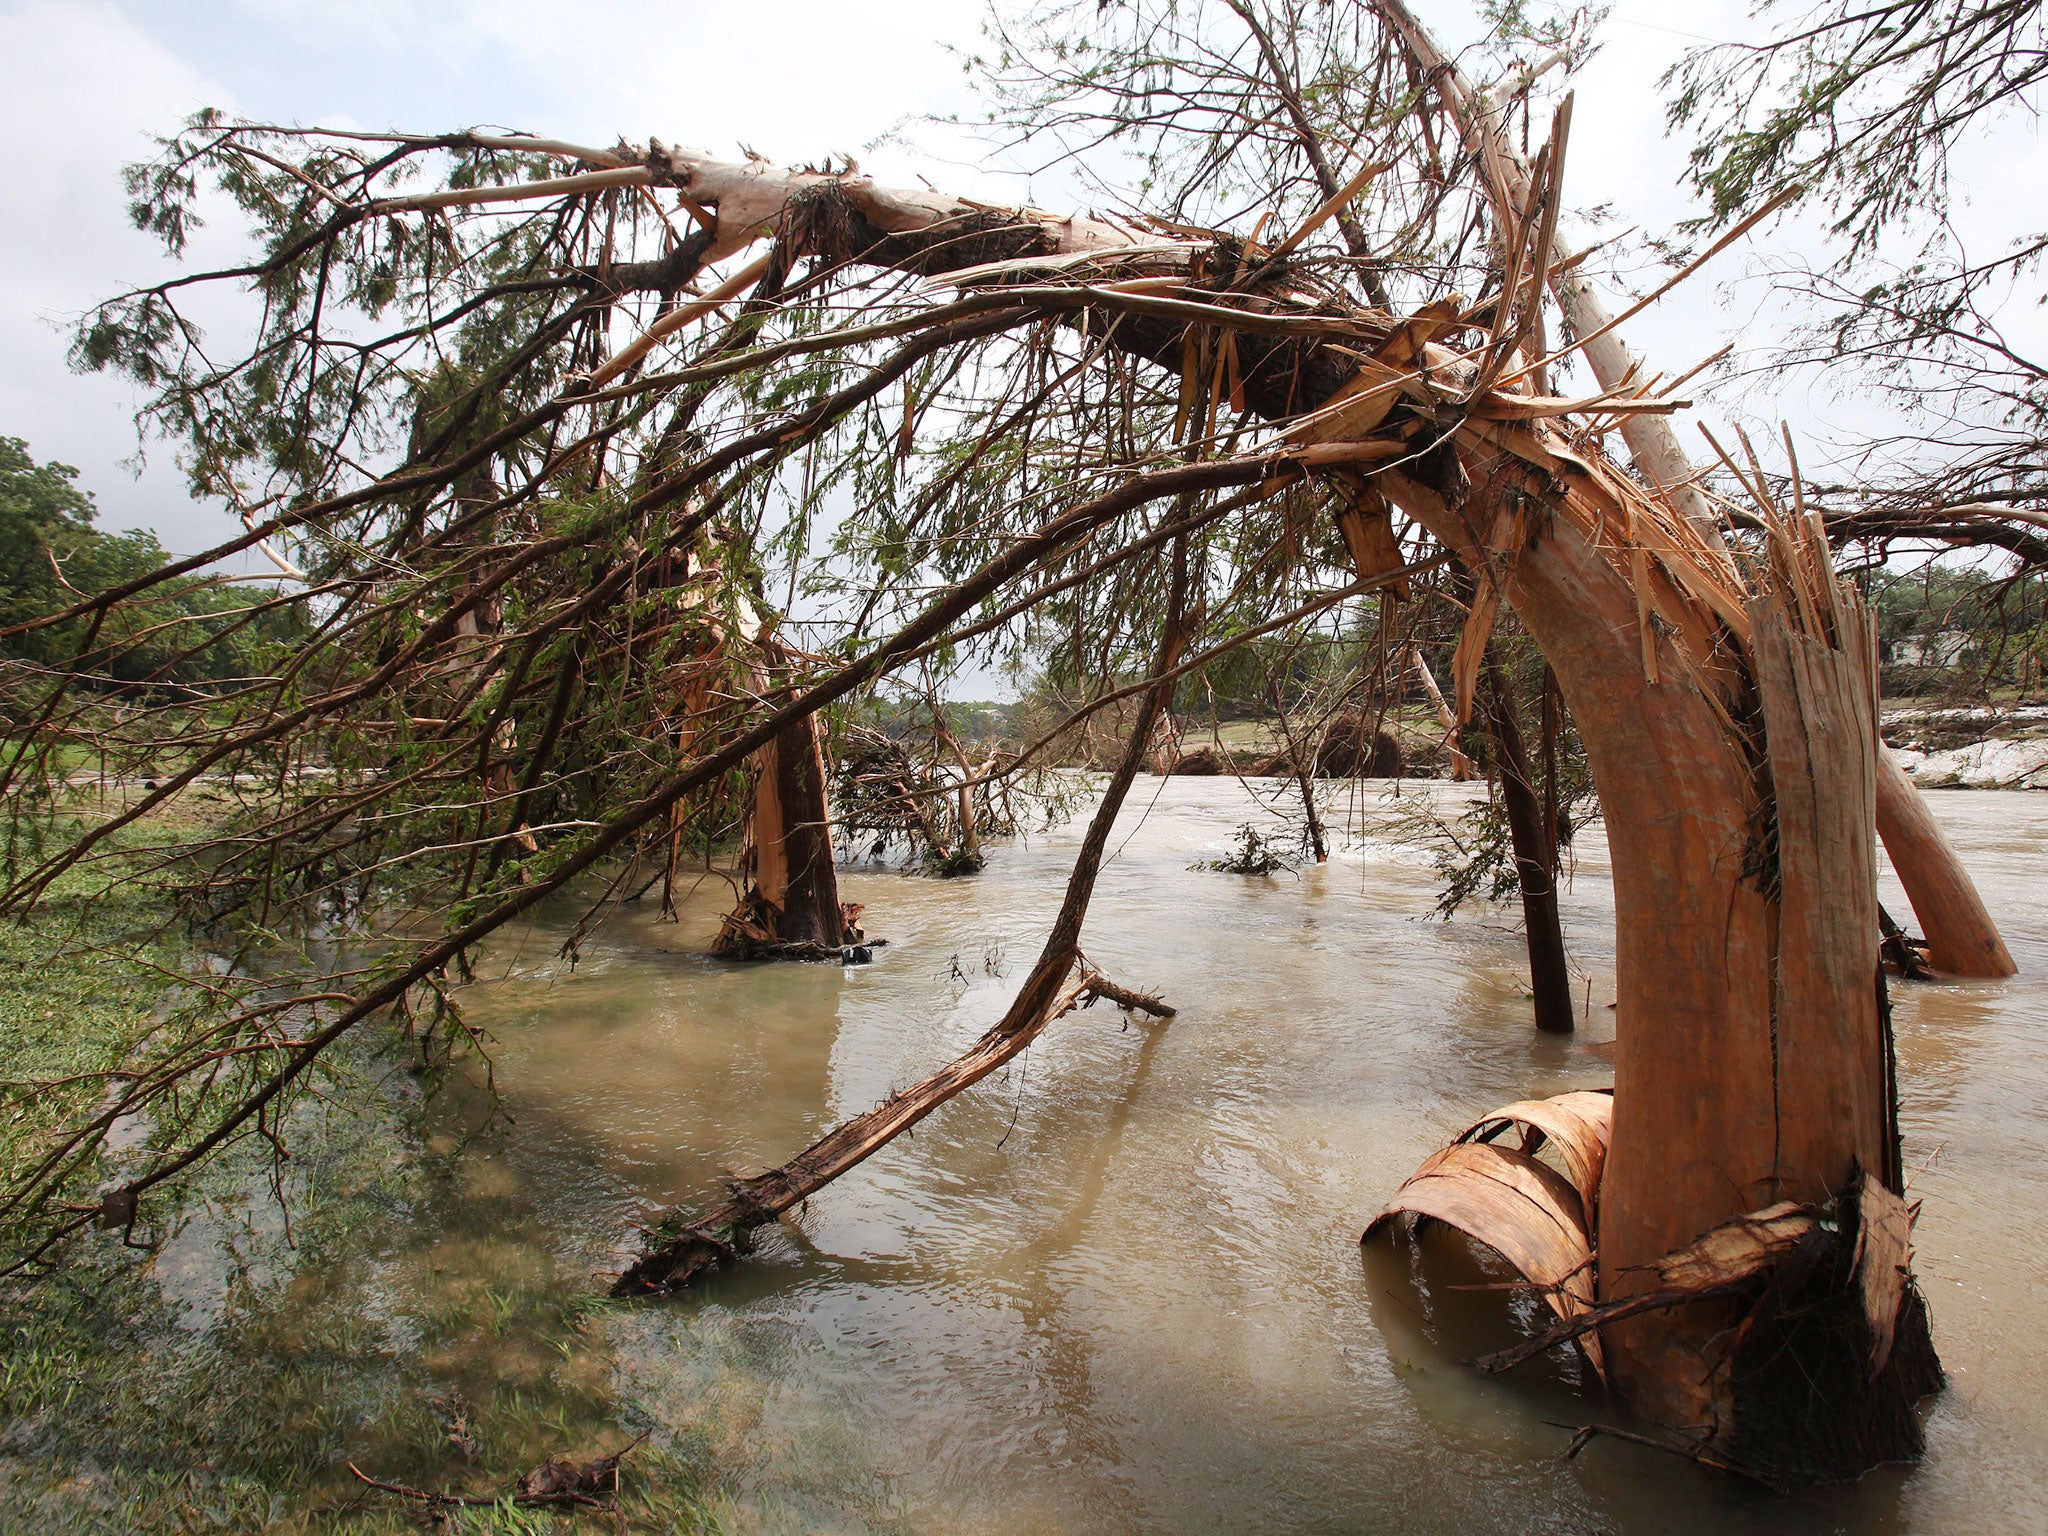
(406, 1320)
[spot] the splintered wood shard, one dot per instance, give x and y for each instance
(1884, 1259)
(1522, 1209)
(1730, 1257)
(1576, 1124)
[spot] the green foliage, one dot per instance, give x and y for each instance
(191, 632)
(1957, 629)
(1475, 856)
(1476, 860)
(1253, 853)
(1859, 104)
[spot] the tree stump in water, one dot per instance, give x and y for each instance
(791, 909)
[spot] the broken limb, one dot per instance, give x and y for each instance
(553, 1484)
(1461, 765)
(1907, 955)
(685, 1248)
(1587, 1433)
(1130, 999)
(1961, 937)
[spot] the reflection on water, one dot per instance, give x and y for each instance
(1118, 1287)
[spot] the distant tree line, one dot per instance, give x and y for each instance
(1960, 631)
(199, 631)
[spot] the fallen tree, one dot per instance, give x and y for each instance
(1079, 433)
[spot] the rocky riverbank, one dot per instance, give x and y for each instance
(1971, 748)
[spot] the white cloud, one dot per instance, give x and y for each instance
(79, 91)
(83, 81)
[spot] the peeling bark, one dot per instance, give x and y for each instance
(1711, 1118)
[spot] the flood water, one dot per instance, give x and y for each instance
(1119, 1287)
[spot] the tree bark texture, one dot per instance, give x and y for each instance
(1747, 1042)
(1961, 937)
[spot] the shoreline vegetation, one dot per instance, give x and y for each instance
(226, 1381)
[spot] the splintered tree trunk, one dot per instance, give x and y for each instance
(1535, 844)
(1944, 897)
(1750, 1059)
(795, 880)
(1750, 1052)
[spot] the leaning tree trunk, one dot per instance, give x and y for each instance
(1535, 845)
(1961, 938)
(1751, 1063)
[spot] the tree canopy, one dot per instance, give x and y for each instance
(1862, 110)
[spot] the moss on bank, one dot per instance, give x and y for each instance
(406, 1315)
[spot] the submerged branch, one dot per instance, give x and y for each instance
(686, 1247)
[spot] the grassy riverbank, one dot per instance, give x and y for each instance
(223, 1381)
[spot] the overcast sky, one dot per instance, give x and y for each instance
(84, 82)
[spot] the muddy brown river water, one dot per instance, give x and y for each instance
(1119, 1288)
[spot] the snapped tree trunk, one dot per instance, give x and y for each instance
(796, 872)
(1750, 1058)
(794, 893)
(1943, 895)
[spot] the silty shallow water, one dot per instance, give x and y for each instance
(1118, 1288)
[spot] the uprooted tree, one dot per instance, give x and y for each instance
(527, 426)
